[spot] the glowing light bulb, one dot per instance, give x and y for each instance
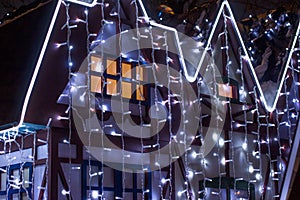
(221, 142)
(251, 169)
(95, 194)
(223, 161)
(215, 137)
(244, 146)
(258, 176)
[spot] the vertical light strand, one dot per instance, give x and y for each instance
(230, 132)
(138, 68)
(119, 27)
(200, 137)
(70, 64)
(18, 182)
(277, 139)
(258, 140)
(33, 158)
(102, 99)
(245, 145)
(9, 160)
(48, 132)
(91, 173)
(271, 161)
(156, 103)
(216, 136)
(171, 189)
(184, 121)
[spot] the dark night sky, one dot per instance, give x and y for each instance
(20, 41)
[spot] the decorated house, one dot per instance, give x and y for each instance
(127, 99)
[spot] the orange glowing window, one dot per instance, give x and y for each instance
(126, 90)
(96, 64)
(126, 70)
(225, 90)
(140, 93)
(111, 88)
(96, 84)
(111, 67)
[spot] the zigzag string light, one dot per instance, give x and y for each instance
(225, 4)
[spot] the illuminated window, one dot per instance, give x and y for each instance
(227, 88)
(126, 90)
(111, 67)
(140, 94)
(96, 84)
(96, 64)
(111, 88)
(119, 77)
(126, 70)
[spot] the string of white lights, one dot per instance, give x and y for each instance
(169, 101)
(70, 65)
(124, 112)
(138, 77)
(162, 180)
(89, 63)
(231, 161)
(257, 154)
(102, 6)
(246, 144)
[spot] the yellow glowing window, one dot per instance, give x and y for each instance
(111, 88)
(96, 84)
(96, 64)
(126, 70)
(140, 73)
(140, 93)
(111, 67)
(126, 90)
(225, 90)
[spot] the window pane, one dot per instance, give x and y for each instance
(126, 70)
(140, 94)
(24, 196)
(140, 73)
(111, 88)
(111, 67)
(96, 84)
(126, 90)
(26, 177)
(15, 196)
(15, 174)
(96, 64)
(94, 179)
(3, 181)
(225, 90)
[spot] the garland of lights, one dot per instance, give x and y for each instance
(254, 162)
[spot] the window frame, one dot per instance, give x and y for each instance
(133, 79)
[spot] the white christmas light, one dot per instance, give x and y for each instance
(244, 146)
